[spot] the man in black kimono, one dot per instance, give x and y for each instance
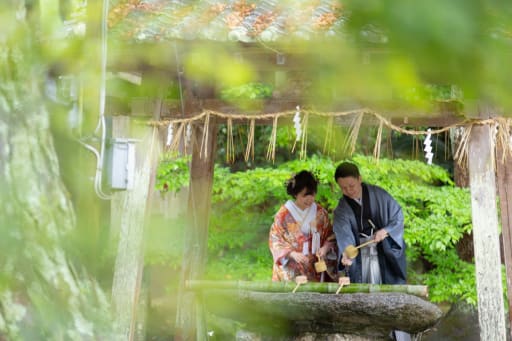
(368, 212)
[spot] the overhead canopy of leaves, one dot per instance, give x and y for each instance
(455, 42)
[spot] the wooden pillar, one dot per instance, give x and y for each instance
(491, 313)
(120, 129)
(189, 317)
(504, 174)
(130, 257)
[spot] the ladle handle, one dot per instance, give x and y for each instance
(365, 243)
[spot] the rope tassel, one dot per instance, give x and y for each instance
(328, 134)
(378, 142)
(304, 144)
(250, 142)
(350, 141)
(230, 147)
(271, 150)
(204, 145)
(502, 137)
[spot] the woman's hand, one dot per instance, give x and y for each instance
(299, 257)
(322, 252)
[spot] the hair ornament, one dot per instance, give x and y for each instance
(291, 181)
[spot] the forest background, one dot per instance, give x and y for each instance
(57, 262)
(247, 195)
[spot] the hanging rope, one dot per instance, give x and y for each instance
(328, 134)
(188, 136)
(177, 138)
(271, 150)
(204, 144)
(304, 143)
(230, 147)
(461, 154)
(350, 142)
(378, 142)
(250, 142)
(504, 137)
(447, 147)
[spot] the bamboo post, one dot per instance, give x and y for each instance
(504, 175)
(491, 313)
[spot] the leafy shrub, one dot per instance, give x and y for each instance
(436, 213)
(247, 91)
(172, 173)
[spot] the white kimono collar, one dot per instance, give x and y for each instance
(303, 217)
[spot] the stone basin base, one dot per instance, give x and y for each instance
(314, 316)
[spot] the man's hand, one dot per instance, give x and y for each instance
(345, 260)
(380, 235)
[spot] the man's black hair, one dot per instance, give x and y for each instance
(346, 169)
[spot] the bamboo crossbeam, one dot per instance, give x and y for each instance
(325, 288)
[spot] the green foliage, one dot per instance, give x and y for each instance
(419, 34)
(251, 264)
(437, 214)
(172, 173)
(247, 91)
(432, 92)
(452, 279)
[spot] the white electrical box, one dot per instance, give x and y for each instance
(122, 164)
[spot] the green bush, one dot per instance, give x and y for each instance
(247, 91)
(437, 214)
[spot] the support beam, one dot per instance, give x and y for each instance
(189, 317)
(130, 256)
(485, 234)
(504, 174)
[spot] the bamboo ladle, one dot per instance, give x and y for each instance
(352, 251)
(320, 265)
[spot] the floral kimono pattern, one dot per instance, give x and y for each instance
(286, 236)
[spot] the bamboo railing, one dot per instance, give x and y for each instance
(324, 288)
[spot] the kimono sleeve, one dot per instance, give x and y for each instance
(325, 226)
(343, 226)
(279, 245)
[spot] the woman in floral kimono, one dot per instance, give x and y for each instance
(301, 233)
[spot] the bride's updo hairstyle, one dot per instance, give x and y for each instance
(301, 180)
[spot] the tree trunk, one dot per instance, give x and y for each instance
(42, 295)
